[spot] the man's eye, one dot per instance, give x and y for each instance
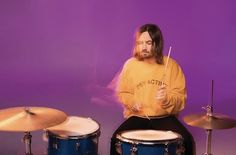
(149, 42)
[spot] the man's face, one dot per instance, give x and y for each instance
(144, 46)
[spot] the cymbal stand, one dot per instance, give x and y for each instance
(209, 109)
(27, 141)
(208, 142)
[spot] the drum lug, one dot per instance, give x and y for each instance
(180, 149)
(166, 149)
(77, 145)
(95, 140)
(133, 150)
(55, 146)
(166, 153)
(118, 147)
(45, 136)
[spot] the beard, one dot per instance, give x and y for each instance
(144, 54)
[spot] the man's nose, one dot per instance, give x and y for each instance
(144, 46)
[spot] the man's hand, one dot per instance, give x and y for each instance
(162, 97)
(136, 107)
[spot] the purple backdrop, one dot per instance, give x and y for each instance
(64, 54)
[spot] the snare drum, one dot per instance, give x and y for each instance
(75, 136)
(149, 142)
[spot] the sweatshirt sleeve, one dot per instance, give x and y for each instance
(124, 90)
(176, 94)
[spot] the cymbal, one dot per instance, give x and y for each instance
(29, 118)
(215, 121)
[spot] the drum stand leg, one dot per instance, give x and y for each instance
(208, 142)
(27, 141)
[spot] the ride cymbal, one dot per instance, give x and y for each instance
(29, 118)
(214, 121)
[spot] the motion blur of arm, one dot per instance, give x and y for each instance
(125, 91)
(173, 99)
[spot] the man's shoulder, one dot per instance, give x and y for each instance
(131, 61)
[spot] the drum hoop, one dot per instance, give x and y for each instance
(149, 142)
(95, 133)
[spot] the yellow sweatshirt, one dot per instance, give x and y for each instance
(138, 84)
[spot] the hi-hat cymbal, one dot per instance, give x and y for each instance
(29, 118)
(214, 121)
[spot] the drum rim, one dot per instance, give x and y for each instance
(148, 142)
(95, 133)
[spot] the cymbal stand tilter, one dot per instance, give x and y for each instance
(27, 141)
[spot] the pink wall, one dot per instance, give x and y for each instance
(63, 54)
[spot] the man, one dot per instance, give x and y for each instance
(151, 91)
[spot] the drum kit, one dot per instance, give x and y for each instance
(158, 142)
(153, 142)
(65, 134)
(71, 135)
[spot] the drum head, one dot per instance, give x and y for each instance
(145, 136)
(75, 126)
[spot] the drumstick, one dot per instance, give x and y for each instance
(167, 61)
(165, 69)
(168, 57)
(146, 116)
